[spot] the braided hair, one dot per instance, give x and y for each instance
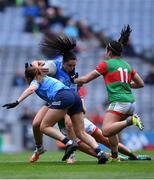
(116, 47)
(60, 44)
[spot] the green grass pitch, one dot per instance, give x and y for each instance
(16, 166)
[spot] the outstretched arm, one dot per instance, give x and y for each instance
(87, 78)
(137, 82)
(23, 96)
(27, 93)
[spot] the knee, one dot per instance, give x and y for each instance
(36, 124)
(80, 134)
(42, 128)
(69, 126)
(106, 132)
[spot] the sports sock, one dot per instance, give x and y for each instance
(67, 141)
(114, 154)
(132, 155)
(98, 150)
(38, 146)
(129, 122)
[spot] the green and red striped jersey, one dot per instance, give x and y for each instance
(117, 76)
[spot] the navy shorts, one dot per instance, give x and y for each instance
(67, 99)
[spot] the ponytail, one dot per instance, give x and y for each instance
(116, 47)
(59, 44)
(125, 33)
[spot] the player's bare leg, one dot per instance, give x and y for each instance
(49, 120)
(78, 126)
(39, 149)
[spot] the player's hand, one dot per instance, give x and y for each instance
(80, 84)
(11, 105)
(40, 66)
(73, 75)
(44, 70)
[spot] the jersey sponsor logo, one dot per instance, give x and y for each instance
(56, 103)
(68, 83)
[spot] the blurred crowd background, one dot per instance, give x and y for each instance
(93, 23)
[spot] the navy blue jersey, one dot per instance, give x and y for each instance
(63, 76)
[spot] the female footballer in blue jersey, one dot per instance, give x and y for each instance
(65, 71)
(62, 101)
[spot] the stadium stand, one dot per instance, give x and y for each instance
(102, 16)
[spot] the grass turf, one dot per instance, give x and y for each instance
(16, 166)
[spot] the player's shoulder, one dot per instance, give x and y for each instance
(48, 79)
(58, 59)
(125, 62)
(35, 82)
(58, 62)
(103, 63)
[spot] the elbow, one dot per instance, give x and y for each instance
(139, 84)
(31, 91)
(142, 84)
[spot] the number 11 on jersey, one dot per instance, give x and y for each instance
(123, 74)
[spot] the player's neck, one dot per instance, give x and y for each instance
(115, 57)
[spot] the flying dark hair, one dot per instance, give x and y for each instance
(116, 47)
(60, 44)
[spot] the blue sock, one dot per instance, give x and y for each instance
(38, 146)
(97, 150)
(65, 140)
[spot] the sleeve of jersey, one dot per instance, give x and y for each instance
(35, 82)
(102, 68)
(133, 72)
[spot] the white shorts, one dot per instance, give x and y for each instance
(64, 131)
(88, 126)
(122, 108)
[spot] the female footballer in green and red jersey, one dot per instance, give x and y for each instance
(119, 78)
